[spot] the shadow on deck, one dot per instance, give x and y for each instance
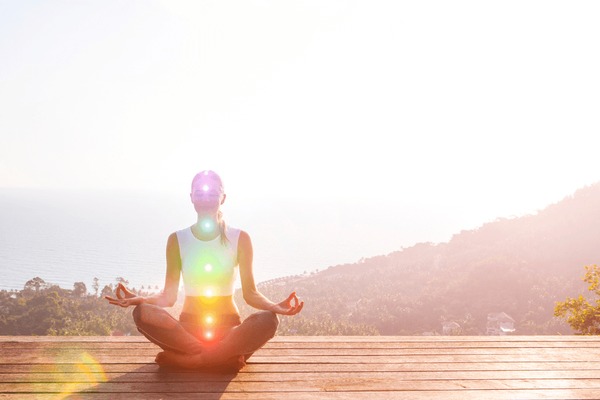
(311, 367)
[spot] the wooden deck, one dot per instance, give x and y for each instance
(301, 367)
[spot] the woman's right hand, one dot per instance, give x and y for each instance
(125, 297)
(289, 306)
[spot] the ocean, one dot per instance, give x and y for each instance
(67, 237)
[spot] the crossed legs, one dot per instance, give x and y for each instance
(163, 330)
(185, 350)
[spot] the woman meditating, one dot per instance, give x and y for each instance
(209, 331)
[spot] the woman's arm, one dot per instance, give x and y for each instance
(168, 296)
(252, 296)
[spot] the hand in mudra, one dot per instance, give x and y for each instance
(290, 306)
(125, 297)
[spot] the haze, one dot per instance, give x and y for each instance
(421, 118)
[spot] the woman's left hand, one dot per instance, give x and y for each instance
(290, 306)
(125, 297)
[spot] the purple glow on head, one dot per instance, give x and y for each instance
(207, 180)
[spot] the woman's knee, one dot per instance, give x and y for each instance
(138, 313)
(274, 320)
(149, 314)
(269, 321)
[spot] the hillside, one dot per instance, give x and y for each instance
(520, 266)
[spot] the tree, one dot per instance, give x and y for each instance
(36, 283)
(96, 286)
(79, 289)
(583, 316)
(122, 280)
(107, 291)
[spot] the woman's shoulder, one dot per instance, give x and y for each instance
(180, 235)
(243, 236)
(232, 231)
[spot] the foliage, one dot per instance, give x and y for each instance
(45, 309)
(583, 316)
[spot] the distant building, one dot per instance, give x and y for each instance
(499, 324)
(450, 328)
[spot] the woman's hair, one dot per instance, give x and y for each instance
(214, 178)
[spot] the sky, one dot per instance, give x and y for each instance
(447, 113)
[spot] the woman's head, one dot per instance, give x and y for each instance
(207, 191)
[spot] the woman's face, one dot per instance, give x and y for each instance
(207, 195)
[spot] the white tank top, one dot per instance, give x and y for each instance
(208, 267)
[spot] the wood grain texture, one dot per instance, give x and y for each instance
(310, 367)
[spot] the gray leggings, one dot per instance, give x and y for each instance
(227, 334)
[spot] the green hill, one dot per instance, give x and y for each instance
(520, 266)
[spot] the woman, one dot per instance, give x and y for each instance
(209, 331)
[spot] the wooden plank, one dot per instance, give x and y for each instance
(435, 339)
(356, 384)
(327, 339)
(95, 377)
(8, 354)
(322, 359)
(313, 345)
(549, 394)
(253, 367)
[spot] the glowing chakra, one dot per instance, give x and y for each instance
(209, 319)
(205, 188)
(208, 293)
(208, 334)
(208, 268)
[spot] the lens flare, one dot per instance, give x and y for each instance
(75, 371)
